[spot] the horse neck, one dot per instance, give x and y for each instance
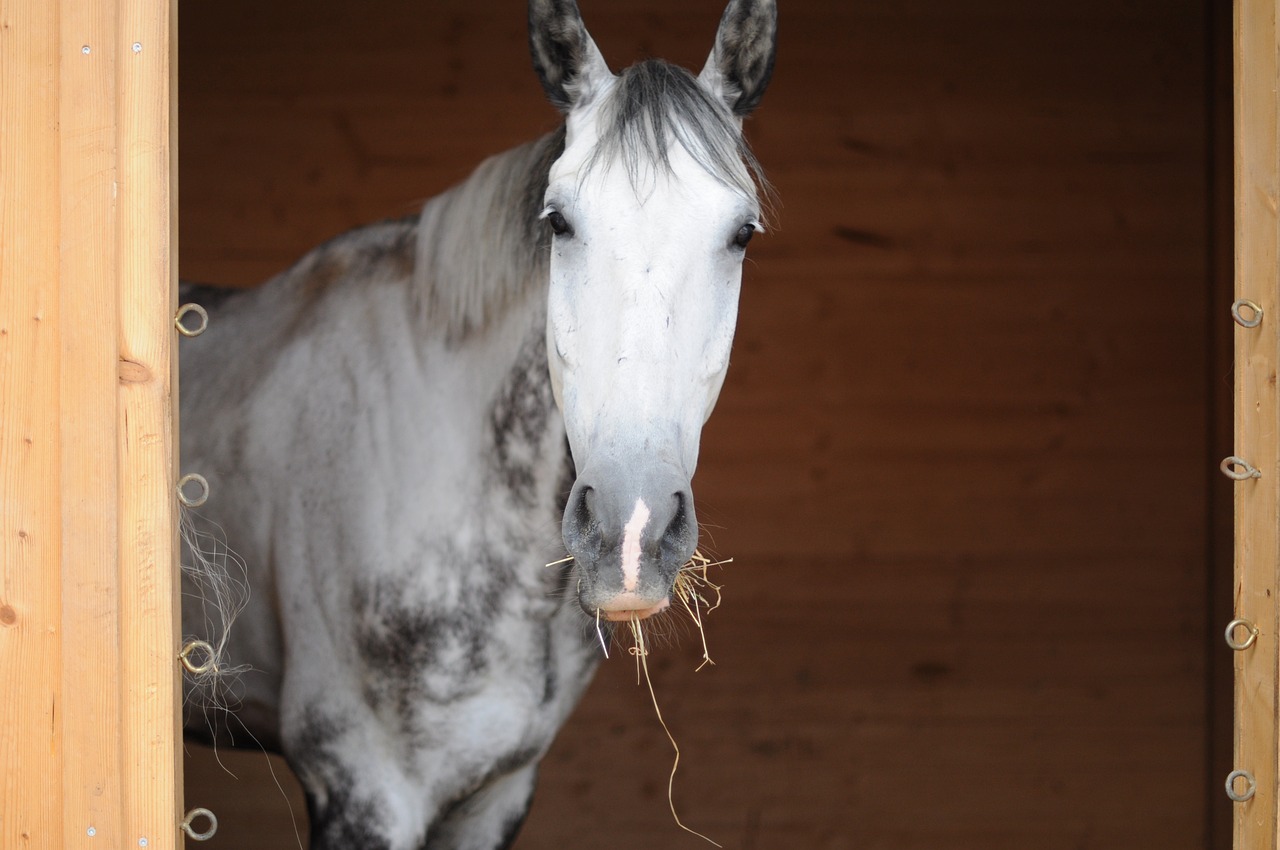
(480, 281)
(481, 247)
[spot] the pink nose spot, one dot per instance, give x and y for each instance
(625, 614)
(631, 546)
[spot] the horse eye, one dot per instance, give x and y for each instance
(559, 225)
(744, 235)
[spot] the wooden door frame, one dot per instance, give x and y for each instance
(89, 753)
(1257, 496)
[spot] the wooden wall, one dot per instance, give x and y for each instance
(961, 460)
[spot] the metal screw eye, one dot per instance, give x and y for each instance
(1250, 785)
(191, 831)
(210, 662)
(196, 329)
(1255, 313)
(198, 499)
(1246, 470)
(1241, 645)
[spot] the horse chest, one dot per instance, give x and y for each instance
(485, 697)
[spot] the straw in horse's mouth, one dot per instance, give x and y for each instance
(698, 596)
(694, 590)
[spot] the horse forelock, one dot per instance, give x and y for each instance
(654, 105)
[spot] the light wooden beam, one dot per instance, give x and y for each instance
(1257, 522)
(88, 608)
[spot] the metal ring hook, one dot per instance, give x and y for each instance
(1241, 645)
(1246, 471)
(1254, 320)
(199, 328)
(1250, 786)
(190, 830)
(193, 501)
(211, 662)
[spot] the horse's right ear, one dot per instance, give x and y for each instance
(567, 61)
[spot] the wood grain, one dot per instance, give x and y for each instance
(30, 510)
(1257, 501)
(91, 708)
(87, 606)
(149, 612)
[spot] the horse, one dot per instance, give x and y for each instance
(404, 428)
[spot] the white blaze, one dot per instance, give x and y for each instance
(631, 546)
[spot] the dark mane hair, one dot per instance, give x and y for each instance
(655, 103)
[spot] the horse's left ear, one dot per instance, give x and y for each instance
(741, 63)
(568, 63)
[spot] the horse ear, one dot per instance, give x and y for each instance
(568, 63)
(741, 63)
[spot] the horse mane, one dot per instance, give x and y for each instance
(482, 244)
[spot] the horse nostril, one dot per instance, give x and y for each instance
(582, 510)
(582, 524)
(680, 536)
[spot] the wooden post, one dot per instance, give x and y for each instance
(1257, 521)
(89, 687)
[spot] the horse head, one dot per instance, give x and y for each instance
(650, 207)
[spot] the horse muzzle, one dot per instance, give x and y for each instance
(629, 538)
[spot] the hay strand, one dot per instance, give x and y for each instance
(641, 652)
(692, 588)
(600, 634)
(698, 596)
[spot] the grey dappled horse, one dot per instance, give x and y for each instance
(401, 430)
